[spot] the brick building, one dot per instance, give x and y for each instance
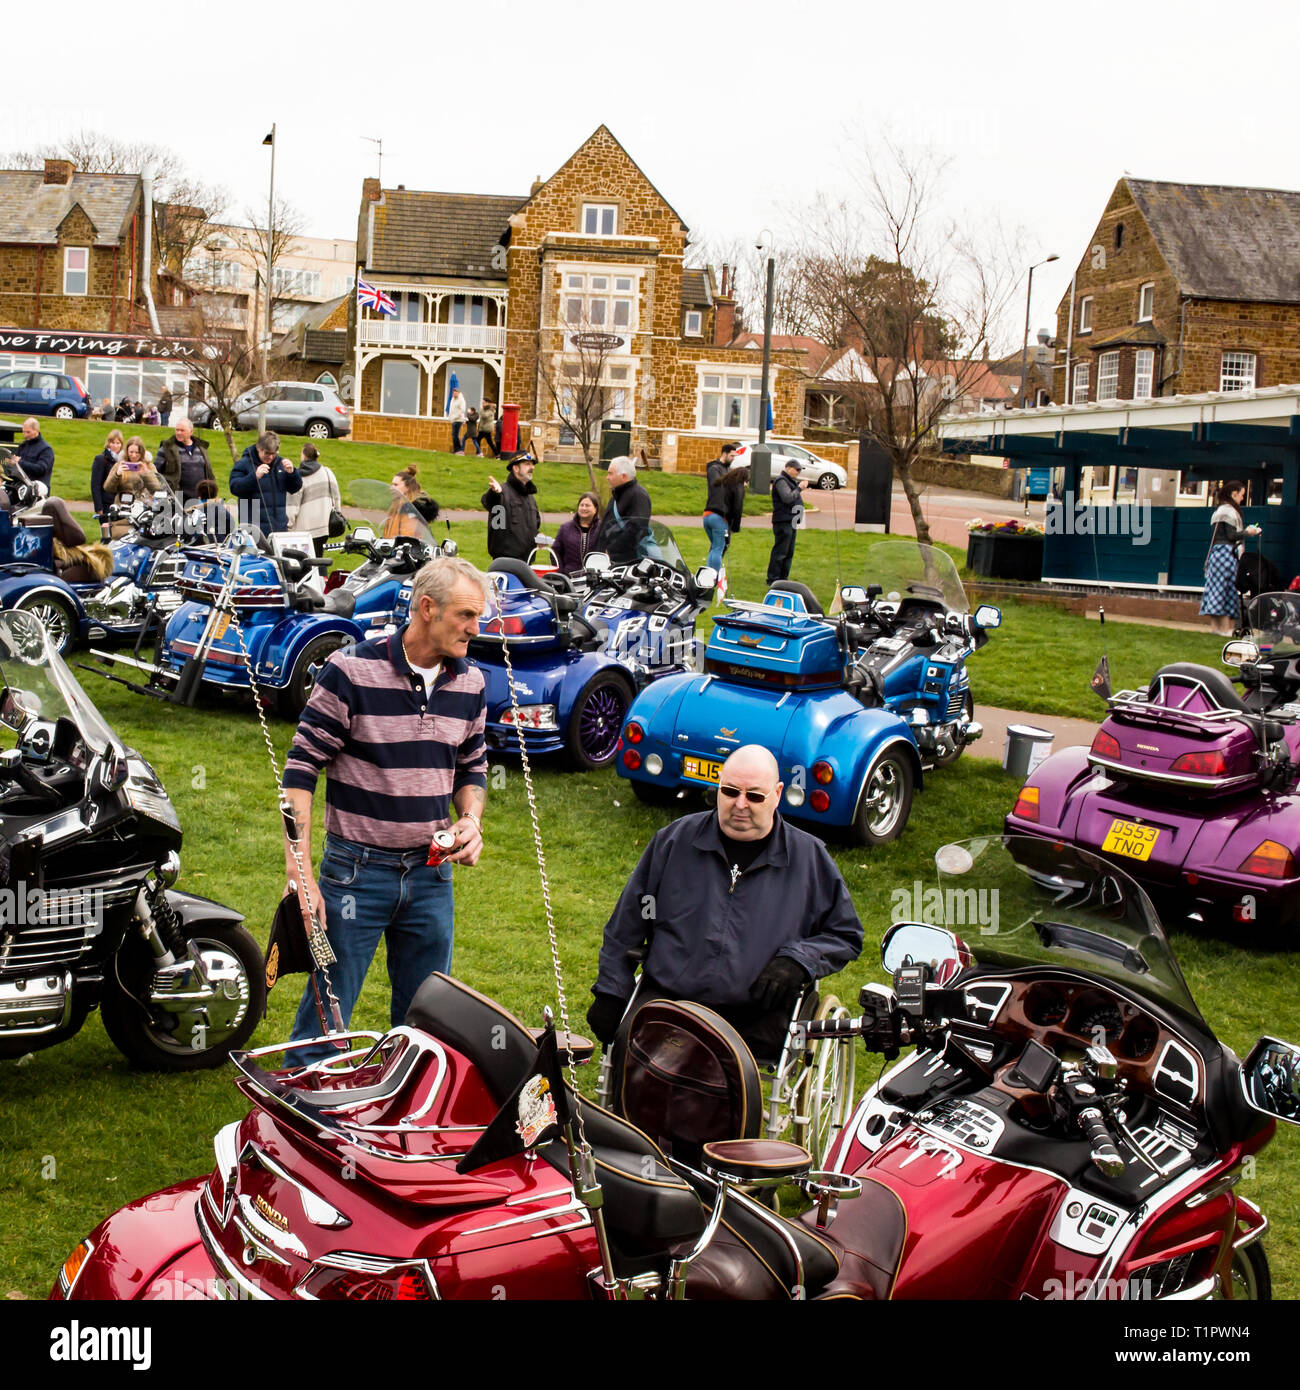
(77, 277)
(1184, 288)
(502, 290)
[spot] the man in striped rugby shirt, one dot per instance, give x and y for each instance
(397, 725)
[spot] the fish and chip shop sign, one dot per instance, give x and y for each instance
(69, 344)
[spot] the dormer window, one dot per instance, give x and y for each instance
(694, 323)
(76, 270)
(599, 219)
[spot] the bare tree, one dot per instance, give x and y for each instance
(226, 368)
(575, 379)
(910, 299)
(281, 238)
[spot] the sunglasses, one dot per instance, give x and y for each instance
(754, 798)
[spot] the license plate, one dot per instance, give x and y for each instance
(1133, 841)
(701, 770)
(223, 622)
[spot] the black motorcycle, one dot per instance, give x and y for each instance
(89, 915)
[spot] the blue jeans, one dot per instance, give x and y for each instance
(369, 893)
(716, 530)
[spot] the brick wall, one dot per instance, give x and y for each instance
(409, 431)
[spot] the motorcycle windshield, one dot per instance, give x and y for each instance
(34, 678)
(1274, 620)
(1016, 900)
(908, 567)
(660, 544)
(394, 515)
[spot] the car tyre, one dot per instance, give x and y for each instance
(57, 615)
(64, 412)
(1251, 1280)
(886, 800)
(293, 698)
(319, 429)
(596, 723)
(828, 482)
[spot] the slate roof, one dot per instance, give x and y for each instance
(1225, 243)
(696, 288)
(31, 210)
(438, 233)
(1144, 335)
(325, 345)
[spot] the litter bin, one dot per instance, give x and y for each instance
(615, 440)
(1025, 748)
(509, 429)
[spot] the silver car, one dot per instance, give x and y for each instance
(292, 407)
(820, 472)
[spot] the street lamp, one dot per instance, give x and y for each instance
(270, 256)
(764, 243)
(1024, 347)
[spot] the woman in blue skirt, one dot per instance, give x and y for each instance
(1227, 531)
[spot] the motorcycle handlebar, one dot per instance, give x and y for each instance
(1105, 1154)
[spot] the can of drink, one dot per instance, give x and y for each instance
(442, 844)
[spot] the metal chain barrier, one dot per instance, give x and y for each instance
(546, 886)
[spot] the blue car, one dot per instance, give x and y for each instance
(580, 652)
(41, 391)
(854, 707)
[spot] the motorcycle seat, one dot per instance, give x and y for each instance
(340, 602)
(527, 576)
(1215, 682)
(305, 599)
(793, 586)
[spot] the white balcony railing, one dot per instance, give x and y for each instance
(444, 337)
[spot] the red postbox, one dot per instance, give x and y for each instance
(509, 429)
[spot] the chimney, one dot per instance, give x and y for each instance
(724, 321)
(370, 190)
(537, 183)
(59, 171)
(726, 270)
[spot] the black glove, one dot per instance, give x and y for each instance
(780, 981)
(604, 1016)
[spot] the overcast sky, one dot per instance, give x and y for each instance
(737, 112)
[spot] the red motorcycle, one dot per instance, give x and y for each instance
(1067, 1127)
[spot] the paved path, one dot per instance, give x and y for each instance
(1066, 732)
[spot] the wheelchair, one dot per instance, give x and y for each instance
(809, 1089)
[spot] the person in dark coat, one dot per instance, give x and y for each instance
(207, 516)
(723, 502)
(34, 454)
(165, 406)
(574, 538)
(513, 517)
(263, 477)
(747, 912)
(787, 517)
(99, 470)
(626, 522)
(183, 460)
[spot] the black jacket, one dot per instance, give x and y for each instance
(167, 461)
(726, 502)
(710, 939)
(787, 500)
(513, 519)
(625, 523)
(98, 472)
(37, 459)
(268, 492)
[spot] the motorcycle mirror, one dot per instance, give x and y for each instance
(706, 577)
(363, 533)
(853, 593)
(13, 712)
(919, 943)
(988, 616)
(596, 563)
(1240, 653)
(874, 590)
(1270, 1079)
(450, 548)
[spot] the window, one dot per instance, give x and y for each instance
(1108, 376)
(1080, 393)
(600, 301)
(76, 270)
(305, 284)
(1144, 368)
(11, 360)
(599, 219)
(729, 402)
(1146, 303)
(1119, 236)
(1085, 314)
(1237, 372)
(694, 323)
(212, 273)
(142, 380)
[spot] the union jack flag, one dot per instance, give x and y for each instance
(372, 297)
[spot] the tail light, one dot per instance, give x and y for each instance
(631, 758)
(497, 627)
(1269, 860)
(819, 800)
(822, 772)
(342, 410)
(76, 381)
(400, 1283)
(1201, 764)
(1105, 746)
(1026, 806)
(634, 733)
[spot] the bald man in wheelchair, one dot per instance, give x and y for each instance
(732, 908)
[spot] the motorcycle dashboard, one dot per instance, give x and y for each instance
(1068, 1015)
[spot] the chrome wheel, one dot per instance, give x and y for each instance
(1249, 1277)
(883, 798)
(828, 482)
(56, 616)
